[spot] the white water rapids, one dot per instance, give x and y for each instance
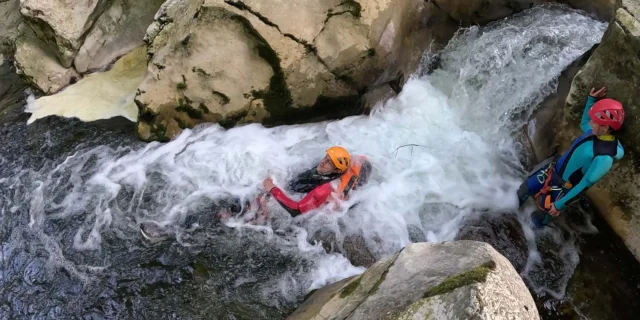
(464, 115)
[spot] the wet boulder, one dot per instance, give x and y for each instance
(352, 246)
(11, 90)
(502, 231)
(455, 280)
(190, 79)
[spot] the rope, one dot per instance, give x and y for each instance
(545, 189)
(408, 145)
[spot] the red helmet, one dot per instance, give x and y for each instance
(608, 112)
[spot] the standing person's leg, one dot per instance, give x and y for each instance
(532, 185)
(541, 217)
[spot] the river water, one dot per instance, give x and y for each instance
(72, 194)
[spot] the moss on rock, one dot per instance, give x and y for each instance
(476, 275)
(350, 288)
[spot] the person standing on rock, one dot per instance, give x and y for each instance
(590, 157)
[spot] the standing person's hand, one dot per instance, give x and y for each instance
(601, 93)
(553, 211)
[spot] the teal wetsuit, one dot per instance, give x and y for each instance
(586, 162)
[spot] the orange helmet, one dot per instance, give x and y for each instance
(340, 157)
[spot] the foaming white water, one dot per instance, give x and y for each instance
(104, 94)
(489, 78)
(499, 73)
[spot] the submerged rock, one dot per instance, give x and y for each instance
(582, 269)
(352, 246)
(455, 280)
(503, 232)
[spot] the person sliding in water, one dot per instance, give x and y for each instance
(587, 161)
(333, 178)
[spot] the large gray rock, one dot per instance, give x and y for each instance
(310, 14)
(39, 66)
(120, 29)
(615, 64)
(319, 64)
(307, 78)
(9, 21)
(207, 66)
(62, 24)
(455, 280)
(502, 231)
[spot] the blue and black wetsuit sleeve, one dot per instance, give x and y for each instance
(584, 122)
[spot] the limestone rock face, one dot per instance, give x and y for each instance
(455, 280)
(39, 66)
(336, 58)
(120, 29)
(211, 68)
(62, 24)
(290, 70)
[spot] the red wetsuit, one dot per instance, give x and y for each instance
(313, 200)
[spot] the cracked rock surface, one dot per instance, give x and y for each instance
(319, 64)
(62, 24)
(210, 67)
(39, 66)
(117, 31)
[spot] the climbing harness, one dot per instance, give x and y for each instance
(551, 183)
